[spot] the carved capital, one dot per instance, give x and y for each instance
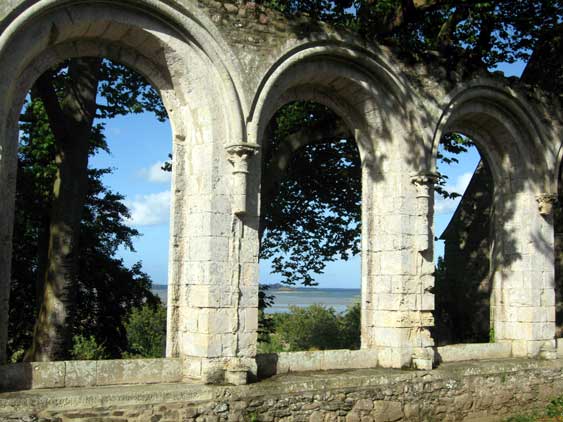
(546, 201)
(424, 181)
(239, 156)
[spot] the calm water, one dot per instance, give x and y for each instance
(339, 299)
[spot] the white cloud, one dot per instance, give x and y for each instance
(149, 210)
(461, 183)
(155, 174)
(448, 206)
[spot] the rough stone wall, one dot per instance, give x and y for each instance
(488, 391)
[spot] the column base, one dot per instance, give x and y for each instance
(423, 359)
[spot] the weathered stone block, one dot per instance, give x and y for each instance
(80, 373)
(48, 374)
(388, 411)
(463, 352)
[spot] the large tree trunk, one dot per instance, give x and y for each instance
(71, 121)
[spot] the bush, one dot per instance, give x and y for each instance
(313, 328)
(350, 327)
(87, 348)
(146, 332)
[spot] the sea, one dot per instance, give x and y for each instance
(339, 299)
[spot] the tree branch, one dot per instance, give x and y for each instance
(45, 90)
(276, 168)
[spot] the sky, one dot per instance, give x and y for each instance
(139, 145)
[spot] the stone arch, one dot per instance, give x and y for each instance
(506, 131)
(507, 118)
(366, 90)
(186, 61)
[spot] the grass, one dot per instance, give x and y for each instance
(552, 413)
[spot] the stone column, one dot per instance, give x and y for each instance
(523, 303)
(397, 301)
(244, 265)
(423, 354)
(218, 315)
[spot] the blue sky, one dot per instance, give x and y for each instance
(139, 144)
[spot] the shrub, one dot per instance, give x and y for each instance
(311, 328)
(87, 348)
(350, 327)
(146, 332)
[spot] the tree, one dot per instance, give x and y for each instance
(69, 96)
(311, 193)
(485, 32)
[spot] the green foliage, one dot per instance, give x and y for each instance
(265, 323)
(314, 328)
(555, 408)
(553, 412)
(451, 145)
(124, 91)
(522, 418)
(482, 32)
(349, 327)
(87, 348)
(146, 332)
(311, 328)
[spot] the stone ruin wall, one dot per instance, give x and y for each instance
(252, 61)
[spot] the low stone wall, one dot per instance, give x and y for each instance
(322, 360)
(36, 375)
(479, 391)
(473, 351)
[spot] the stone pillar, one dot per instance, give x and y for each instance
(219, 319)
(244, 264)
(423, 355)
(396, 293)
(523, 303)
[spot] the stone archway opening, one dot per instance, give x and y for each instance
(310, 230)
(463, 221)
(108, 298)
(521, 269)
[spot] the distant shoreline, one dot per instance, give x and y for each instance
(276, 287)
(337, 298)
